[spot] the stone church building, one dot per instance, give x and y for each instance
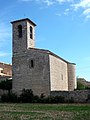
(37, 69)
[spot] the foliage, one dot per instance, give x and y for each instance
(56, 99)
(80, 86)
(71, 100)
(9, 97)
(35, 99)
(6, 85)
(51, 99)
(87, 87)
(88, 99)
(26, 96)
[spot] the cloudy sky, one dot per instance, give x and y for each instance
(63, 27)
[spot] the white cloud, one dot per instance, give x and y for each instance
(73, 5)
(87, 13)
(85, 6)
(48, 2)
(82, 4)
(66, 12)
(62, 1)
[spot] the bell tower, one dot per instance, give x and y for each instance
(23, 35)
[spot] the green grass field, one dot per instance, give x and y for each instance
(44, 111)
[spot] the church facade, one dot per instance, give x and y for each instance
(37, 69)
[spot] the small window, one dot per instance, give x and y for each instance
(31, 32)
(31, 64)
(20, 31)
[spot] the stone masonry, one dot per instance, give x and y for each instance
(38, 69)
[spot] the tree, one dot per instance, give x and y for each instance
(26, 96)
(80, 86)
(6, 85)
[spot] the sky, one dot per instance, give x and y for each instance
(63, 27)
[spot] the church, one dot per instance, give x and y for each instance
(38, 69)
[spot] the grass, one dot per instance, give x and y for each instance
(44, 111)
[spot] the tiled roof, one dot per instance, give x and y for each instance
(24, 20)
(51, 53)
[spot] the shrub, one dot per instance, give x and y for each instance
(57, 99)
(52, 99)
(9, 97)
(71, 100)
(88, 99)
(26, 96)
(6, 85)
(80, 86)
(35, 99)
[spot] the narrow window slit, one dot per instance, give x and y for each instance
(19, 31)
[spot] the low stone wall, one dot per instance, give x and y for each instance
(78, 96)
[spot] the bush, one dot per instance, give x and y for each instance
(6, 85)
(80, 86)
(71, 100)
(88, 99)
(26, 96)
(36, 99)
(57, 99)
(9, 97)
(51, 99)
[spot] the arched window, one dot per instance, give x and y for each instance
(31, 32)
(19, 31)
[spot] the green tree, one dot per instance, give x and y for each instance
(9, 97)
(80, 86)
(6, 85)
(26, 96)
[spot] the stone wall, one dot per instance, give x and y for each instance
(39, 70)
(72, 83)
(77, 96)
(36, 77)
(20, 44)
(30, 42)
(58, 74)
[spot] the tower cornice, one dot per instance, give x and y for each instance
(27, 19)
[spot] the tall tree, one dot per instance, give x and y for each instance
(6, 85)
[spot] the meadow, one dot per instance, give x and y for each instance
(28, 111)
